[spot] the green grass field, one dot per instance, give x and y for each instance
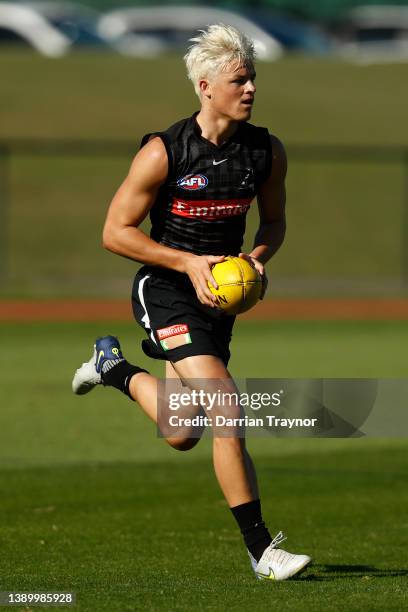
(93, 502)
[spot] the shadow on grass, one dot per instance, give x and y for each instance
(331, 572)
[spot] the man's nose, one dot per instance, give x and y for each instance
(250, 86)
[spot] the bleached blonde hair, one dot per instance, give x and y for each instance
(215, 49)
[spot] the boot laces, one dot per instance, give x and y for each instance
(277, 555)
(278, 539)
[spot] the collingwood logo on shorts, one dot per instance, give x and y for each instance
(193, 182)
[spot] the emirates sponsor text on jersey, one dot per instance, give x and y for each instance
(210, 209)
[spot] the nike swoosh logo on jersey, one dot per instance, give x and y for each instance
(216, 163)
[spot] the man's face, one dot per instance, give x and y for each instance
(232, 92)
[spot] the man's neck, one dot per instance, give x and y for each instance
(215, 128)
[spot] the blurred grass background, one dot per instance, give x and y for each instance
(346, 216)
(303, 100)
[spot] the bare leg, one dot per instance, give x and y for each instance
(232, 464)
(232, 471)
(144, 390)
(252, 474)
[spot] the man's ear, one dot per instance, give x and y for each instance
(205, 88)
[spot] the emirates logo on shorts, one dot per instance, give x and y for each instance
(173, 330)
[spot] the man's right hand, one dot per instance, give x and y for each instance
(198, 269)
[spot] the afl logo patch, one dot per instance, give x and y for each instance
(192, 182)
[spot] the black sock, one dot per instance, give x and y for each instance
(249, 519)
(119, 376)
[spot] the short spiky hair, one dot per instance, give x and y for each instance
(214, 50)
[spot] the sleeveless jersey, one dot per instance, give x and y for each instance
(202, 206)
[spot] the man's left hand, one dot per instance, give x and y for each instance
(260, 269)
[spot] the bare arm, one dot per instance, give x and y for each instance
(131, 204)
(129, 207)
(271, 204)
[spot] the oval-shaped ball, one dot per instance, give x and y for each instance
(239, 285)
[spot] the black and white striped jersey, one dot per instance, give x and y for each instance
(202, 206)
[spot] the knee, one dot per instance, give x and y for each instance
(182, 444)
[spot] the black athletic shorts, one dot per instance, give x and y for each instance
(165, 304)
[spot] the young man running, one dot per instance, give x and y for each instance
(197, 180)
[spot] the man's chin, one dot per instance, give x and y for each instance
(243, 114)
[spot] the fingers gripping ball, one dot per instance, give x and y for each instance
(239, 285)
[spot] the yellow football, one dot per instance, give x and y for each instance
(239, 285)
